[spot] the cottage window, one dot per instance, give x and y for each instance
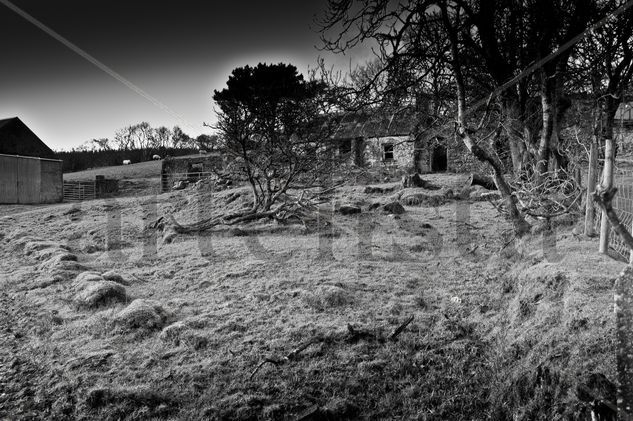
(388, 152)
(345, 147)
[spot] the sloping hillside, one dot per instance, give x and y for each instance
(100, 320)
(149, 169)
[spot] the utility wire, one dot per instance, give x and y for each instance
(96, 62)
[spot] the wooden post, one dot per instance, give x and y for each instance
(607, 182)
(623, 306)
(631, 250)
(590, 230)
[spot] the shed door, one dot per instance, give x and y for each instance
(29, 180)
(8, 179)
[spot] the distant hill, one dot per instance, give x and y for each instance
(83, 160)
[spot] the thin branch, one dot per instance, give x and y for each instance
(401, 328)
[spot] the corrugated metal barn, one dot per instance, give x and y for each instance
(27, 174)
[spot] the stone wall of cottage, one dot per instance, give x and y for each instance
(461, 160)
(458, 157)
(189, 168)
(403, 148)
(624, 138)
(409, 155)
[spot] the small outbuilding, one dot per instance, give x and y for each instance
(17, 139)
(29, 174)
(190, 169)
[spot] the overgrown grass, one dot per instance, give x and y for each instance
(494, 336)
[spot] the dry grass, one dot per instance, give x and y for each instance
(218, 304)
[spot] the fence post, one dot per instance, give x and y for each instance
(623, 304)
(607, 182)
(591, 186)
(628, 193)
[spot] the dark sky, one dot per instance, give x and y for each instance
(177, 51)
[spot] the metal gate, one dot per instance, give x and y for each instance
(75, 191)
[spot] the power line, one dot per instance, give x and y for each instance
(77, 50)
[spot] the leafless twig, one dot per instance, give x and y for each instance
(401, 328)
(292, 355)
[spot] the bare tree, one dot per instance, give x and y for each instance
(102, 144)
(207, 142)
(274, 125)
(179, 139)
(414, 39)
(161, 137)
(123, 138)
(272, 121)
(602, 70)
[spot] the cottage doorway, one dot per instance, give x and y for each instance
(439, 159)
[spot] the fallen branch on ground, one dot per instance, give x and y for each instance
(292, 355)
(507, 243)
(302, 209)
(484, 181)
(468, 225)
(400, 329)
(355, 335)
(358, 334)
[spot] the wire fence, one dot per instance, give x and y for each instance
(623, 205)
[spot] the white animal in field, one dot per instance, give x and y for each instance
(126, 162)
(202, 151)
(156, 157)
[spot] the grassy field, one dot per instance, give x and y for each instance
(148, 169)
(143, 177)
(101, 320)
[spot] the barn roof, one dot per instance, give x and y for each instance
(17, 139)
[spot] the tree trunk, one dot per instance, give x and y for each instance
(560, 104)
(514, 126)
(548, 87)
(521, 226)
(607, 174)
(591, 187)
(481, 180)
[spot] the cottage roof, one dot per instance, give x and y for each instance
(376, 124)
(17, 139)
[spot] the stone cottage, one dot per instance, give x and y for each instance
(398, 141)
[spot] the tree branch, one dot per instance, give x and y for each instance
(604, 199)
